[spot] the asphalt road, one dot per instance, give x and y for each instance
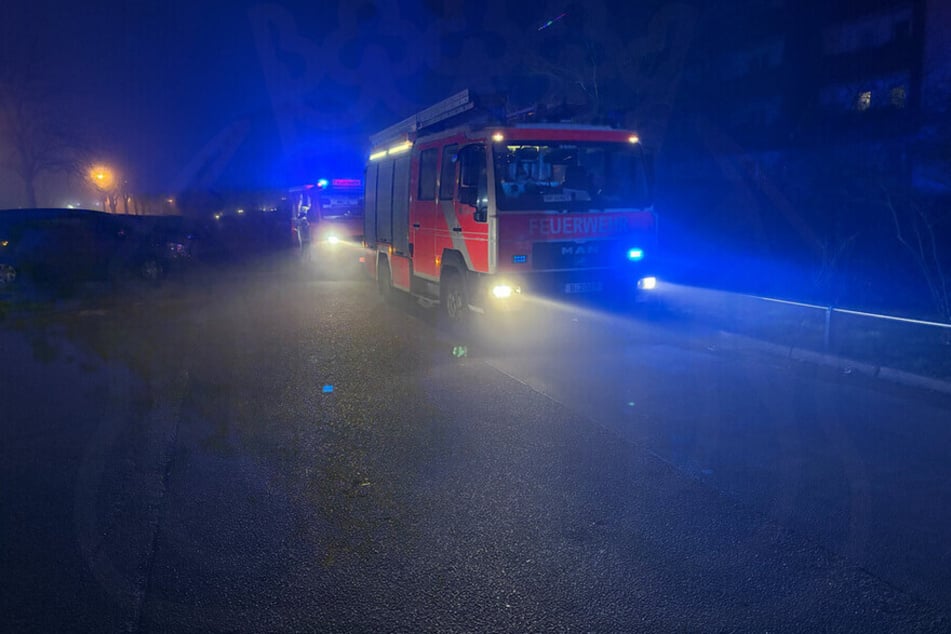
(272, 448)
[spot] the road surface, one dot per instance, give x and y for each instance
(273, 448)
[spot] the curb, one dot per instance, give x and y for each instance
(901, 377)
(914, 380)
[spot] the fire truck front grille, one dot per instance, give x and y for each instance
(575, 255)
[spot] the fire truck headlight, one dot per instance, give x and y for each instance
(503, 291)
(635, 254)
(332, 239)
(647, 283)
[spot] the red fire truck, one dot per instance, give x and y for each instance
(477, 211)
(334, 210)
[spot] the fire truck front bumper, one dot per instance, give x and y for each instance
(502, 293)
(583, 283)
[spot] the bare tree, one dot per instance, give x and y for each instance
(35, 137)
(920, 226)
(578, 53)
(921, 211)
(588, 56)
(112, 198)
(576, 71)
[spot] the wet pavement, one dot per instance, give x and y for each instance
(272, 448)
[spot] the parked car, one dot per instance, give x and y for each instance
(61, 248)
(161, 244)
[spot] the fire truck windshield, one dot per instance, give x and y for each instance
(572, 176)
(356, 209)
(338, 203)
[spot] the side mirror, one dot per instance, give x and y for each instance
(468, 196)
(480, 215)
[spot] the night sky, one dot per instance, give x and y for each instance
(240, 94)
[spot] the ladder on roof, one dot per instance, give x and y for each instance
(447, 108)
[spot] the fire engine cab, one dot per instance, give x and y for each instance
(333, 208)
(476, 211)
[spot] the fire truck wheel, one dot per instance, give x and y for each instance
(384, 281)
(455, 304)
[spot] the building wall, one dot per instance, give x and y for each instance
(791, 117)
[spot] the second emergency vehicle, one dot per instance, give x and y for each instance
(333, 209)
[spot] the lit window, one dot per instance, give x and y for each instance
(864, 100)
(897, 97)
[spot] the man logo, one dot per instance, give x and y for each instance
(579, 249)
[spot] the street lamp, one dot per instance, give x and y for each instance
(103, 177)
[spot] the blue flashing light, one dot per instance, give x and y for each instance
(322, 183)
(520, 259)
(635, 255)
(328, 389)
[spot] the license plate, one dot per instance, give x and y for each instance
(584, 287)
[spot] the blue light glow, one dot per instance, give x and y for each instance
(635, 255)
(647, 283)
(328, 388)
(520, 259)
(322, 183)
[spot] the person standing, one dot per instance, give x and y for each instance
(303, 234)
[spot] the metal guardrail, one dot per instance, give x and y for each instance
(829, 311)
(904, 343)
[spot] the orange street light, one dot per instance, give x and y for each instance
(102, 177)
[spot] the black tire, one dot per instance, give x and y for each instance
(453, 301)
(384, 280)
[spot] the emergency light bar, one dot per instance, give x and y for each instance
(399, 149)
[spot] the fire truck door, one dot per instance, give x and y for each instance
(470, 234)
